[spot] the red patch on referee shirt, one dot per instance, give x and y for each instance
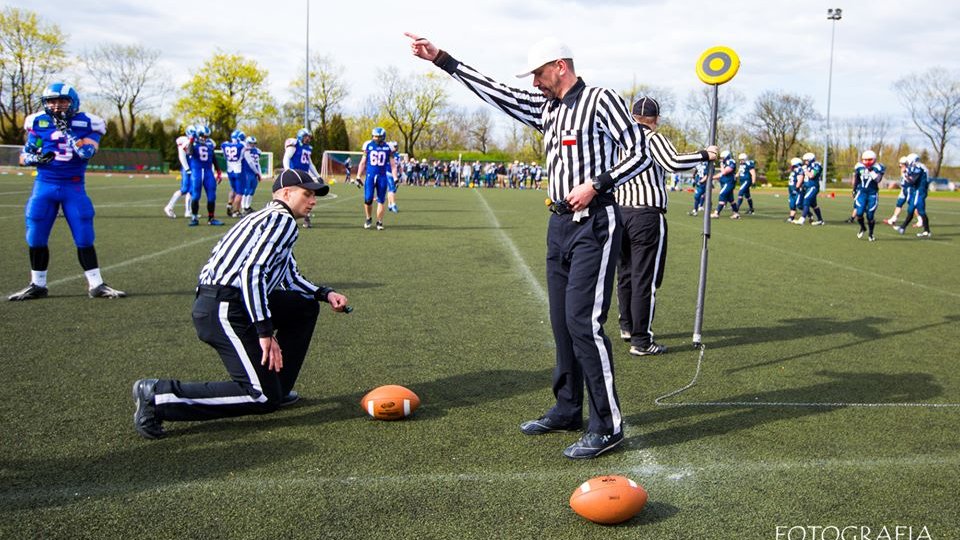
(568, 140)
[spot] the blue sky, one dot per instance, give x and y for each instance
(783, 44)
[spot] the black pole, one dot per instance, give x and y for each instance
(702, 289)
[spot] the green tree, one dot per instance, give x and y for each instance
(778, 122)
(337, 138)
(31, 51)
(126, 77)
(227, 91)
(327, 91)
(413, 103)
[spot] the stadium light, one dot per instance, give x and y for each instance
(832, 15)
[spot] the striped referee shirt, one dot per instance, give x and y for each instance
(256, 256)
(588, 134)
(649, 188)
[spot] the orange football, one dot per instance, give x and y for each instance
(390, 402)
(608, 499)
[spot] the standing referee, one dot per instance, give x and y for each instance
(592, 145)
(643, 252)
(252, 303)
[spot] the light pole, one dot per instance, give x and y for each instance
(306, 78)
(832, 15)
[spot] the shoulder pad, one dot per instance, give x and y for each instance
(290, 142)
(97, 124)
(31, 120)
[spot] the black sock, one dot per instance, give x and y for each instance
(87, 257)
(210, 209)
(862, 227)
(39, 258)
(194, 206)
(926, 223)
(871, 223)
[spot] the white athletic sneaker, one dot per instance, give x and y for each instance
(800, 221)
(169, 212)
(924, 234)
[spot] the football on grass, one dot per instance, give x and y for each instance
(390, 402)
(608, 499)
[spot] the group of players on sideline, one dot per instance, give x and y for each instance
(61, 140)
(803, 187)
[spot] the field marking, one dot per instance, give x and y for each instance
(96, 188)
(898, 281)
(517, 257)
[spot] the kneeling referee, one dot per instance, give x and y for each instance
(252, 303)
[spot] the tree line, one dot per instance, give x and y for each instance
(125, 84)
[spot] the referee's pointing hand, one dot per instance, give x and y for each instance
(422, 47)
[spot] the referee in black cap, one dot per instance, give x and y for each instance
(643, 252)
(255, 309)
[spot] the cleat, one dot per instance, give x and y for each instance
(592, 445)
(169, 212)
(692, 213)
(889, 221)
(625, 335)
(105, 291)
(650, 350)
(735, 216)
(145, 416)
(817, 222)
(547, 424)
(367, 224)
(379, 225)
(850, 220)
(790, 220)
(924, 234)
(292, 397)
(393, 208)
(214, 222)
(31, 292)
(193, 222)
(750, 212)
(872, 238)
(901, 230)
(714, 215)
(860, 233)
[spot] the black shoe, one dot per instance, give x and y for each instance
(105, 291)
(145, 417)
(592, 445)
(32, 292)
(292, 397)
(649, 350)
(546, 424)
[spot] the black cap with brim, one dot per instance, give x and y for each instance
(298, 178)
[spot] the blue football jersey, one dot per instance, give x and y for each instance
(817, 169)
(301, 156)
(201, 153)
(919, 177)
(231, 153)
(731, 163)
(868, 178)
(745, 168)
(378, 157)
(44, 136)
(250, 160)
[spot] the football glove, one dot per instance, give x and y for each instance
(33, 160)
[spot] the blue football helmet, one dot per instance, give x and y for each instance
(191, 131)
(203, 131)
(379, 134)
(304, 132)
(238, 135)
(251, 140)
(60, 90)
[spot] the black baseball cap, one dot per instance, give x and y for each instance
(646, 106)
(296, 177)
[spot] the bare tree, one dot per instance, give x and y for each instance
(699, 103)
(662, 94)
(127, 77)
(480, 128)
(446, 132)
(778, 121)
(328, 90)
(30, 52)
(413, 103)
(933, 100)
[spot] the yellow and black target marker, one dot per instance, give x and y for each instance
(718, 65)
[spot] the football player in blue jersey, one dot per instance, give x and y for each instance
(728, 178)
(60, 142)
(906, 191)
(202, 177)
(183, 146)
(812, 172)
(250, 174)
(377, 158)
(748, 177)
(699, 187)
(232, 150)
(866, 178)
(297, 155)
(918, 177)
(794, 187)
(392, 180)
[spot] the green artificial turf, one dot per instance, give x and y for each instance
(800, 324)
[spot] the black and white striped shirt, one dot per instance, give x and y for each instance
(256, 256)
(650, 187)
(588, 135)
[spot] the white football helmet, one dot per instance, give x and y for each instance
(912, 158)
(796, 161)
(809, 156)
(725, 154)
(903, 160)
(868, 157)
(742, 157)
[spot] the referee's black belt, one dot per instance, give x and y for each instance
(219, 292)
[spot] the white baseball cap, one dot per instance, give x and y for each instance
(546, 50)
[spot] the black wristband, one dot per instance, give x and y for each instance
(446, 62)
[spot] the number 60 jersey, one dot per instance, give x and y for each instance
(43, 136)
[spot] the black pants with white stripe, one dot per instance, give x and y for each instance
(221, 321)
(581, 260)
(643, 256)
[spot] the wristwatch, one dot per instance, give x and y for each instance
(597, 186)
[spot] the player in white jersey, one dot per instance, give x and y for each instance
(183, 146)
